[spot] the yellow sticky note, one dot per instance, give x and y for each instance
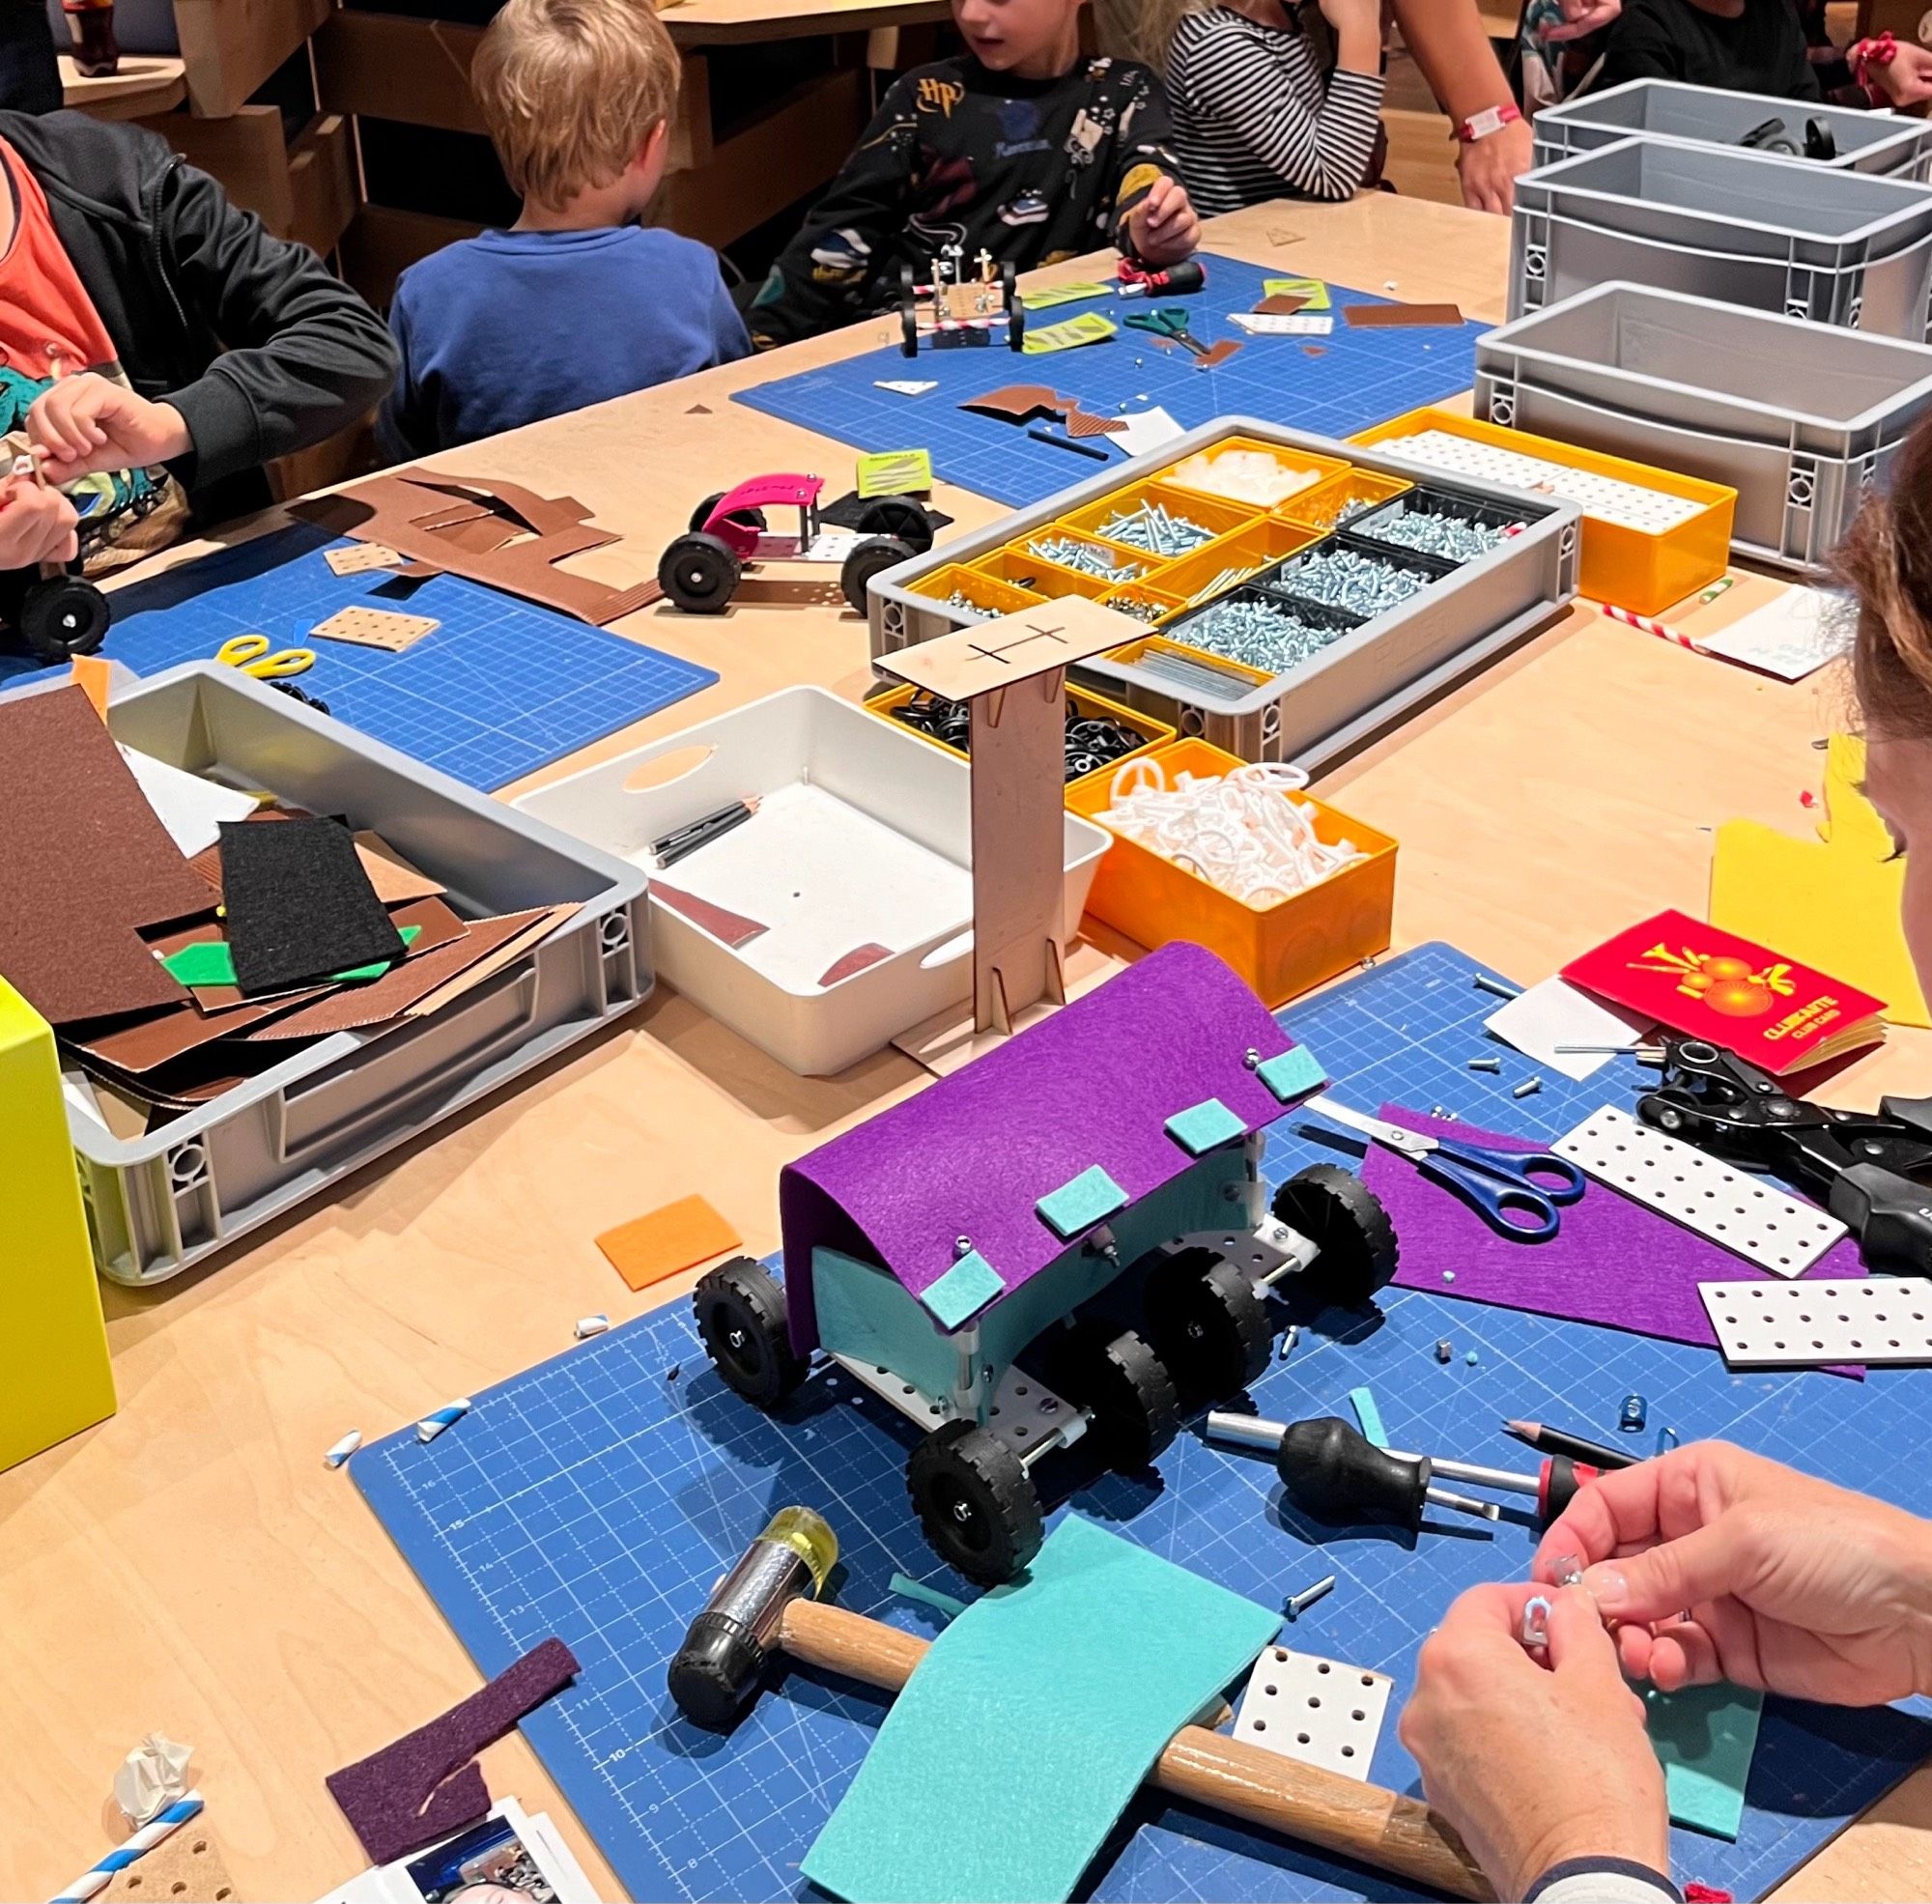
(1823, 906)
(895, 472)
(1089, 328)
(1047, 296)
(1311, 288)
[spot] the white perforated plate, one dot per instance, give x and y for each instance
(1801, 1326)
(1748, 1215)
(1318, 1711)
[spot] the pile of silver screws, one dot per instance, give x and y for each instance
(1221, 583)
(1256, 635)
(1448, 536)
(1139, 607)
(1357, 583)
(1086, 557)
(1157, 530)
(961, 604)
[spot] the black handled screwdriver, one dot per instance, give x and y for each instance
(1332, 1470)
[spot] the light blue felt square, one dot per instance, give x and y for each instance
(966, 1287)
(1704, 1737)
(1293, 1073)
(1090, 1199)
(1370, 1416)
(1102, 1646)
(1203, 1125)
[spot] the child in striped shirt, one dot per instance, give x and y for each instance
(1270, 99)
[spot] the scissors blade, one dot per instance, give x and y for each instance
(1410, 1143)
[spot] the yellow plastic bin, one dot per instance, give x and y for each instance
(1139, 598)
(1642, 570)
(984, 592)
(1324, 506)
(1157, 732)
(1013, 566)
(1301, 463)
(1281, 950)
(1218, 518)
(1230, 559)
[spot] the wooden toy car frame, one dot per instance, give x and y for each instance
(954, 310)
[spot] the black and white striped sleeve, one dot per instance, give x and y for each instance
(1263, 107)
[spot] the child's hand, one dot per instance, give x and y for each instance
(86, 424)
(1906, 78)
(37, 524)
(1162, 228)
(1581, 18)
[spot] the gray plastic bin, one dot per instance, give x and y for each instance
(1801, 419)
(1738, 227)
(157, 1203)
(1316, 712)
(1870, 142)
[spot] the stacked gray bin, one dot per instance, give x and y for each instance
(1801, 419)
(1738, 227)
(1868, 142)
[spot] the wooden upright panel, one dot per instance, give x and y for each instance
(245, 152)
(386, 67)
(230, 47)
(321, 183)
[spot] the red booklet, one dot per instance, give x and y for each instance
(1706, 983)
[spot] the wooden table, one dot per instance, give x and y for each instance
(190, 1566)
(734, 22)
(145, 84)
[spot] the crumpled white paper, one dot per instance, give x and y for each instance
(151, 1776)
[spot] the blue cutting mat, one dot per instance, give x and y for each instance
(1332, 385)
(599, 1496)
(501, 689)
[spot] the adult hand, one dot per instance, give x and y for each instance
(37, 524)
(86, 424)
(1162, 228)
(1579, 18)
(1534, 1760)
(1718, 1563)
(1489, 167)
(1906, 78)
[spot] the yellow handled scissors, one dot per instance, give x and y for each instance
(250, 654)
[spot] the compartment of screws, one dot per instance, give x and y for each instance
(1361, 578)
(1434, 522)
(1263, 630)
(1087, 557)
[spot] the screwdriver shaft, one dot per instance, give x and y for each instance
(1462, 1503)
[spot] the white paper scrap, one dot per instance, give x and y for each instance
(190, 808)
(905, 386)
(1147, 431)
(1792, 637)
(1556, 1012)
(1286, 323)
(151, 1776)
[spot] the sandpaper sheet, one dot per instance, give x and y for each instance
(298, 905)
(1391, 317)
(86, 861)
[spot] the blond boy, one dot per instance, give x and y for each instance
(577, 301)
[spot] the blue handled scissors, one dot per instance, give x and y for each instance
(1169, 323)
(1501, 1185)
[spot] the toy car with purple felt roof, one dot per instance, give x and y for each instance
(699, 572)
(1055, 1245)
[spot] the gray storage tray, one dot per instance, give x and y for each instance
(1336, 700)
(1740, 227)
(158, 1204)
(1868, 142)
(1714, 392)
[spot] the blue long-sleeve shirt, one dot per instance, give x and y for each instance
(509, 328)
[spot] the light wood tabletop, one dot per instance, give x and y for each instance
(727, 22)
(145, 83)
(190, 1566)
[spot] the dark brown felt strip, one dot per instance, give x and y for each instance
(1390, 317)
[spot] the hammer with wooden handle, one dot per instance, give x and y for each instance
(768, 1604)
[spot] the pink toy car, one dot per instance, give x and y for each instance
(699, 572)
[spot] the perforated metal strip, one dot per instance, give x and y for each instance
(1794, 1325)
(1748, 1215)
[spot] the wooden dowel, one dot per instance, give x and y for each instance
(1385, 1830)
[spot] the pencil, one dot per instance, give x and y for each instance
(684, 840)
(1556, 1441)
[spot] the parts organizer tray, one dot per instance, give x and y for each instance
(1367, 679)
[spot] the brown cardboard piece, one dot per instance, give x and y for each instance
(86, 861)
(495, 532)
(362, 557)
(1280, 303)
(184, 1868)
(375, 628)
(1217, 354)
(1391, 317)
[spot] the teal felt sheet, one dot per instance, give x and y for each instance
(1089, 1199)
(1704, 1738)
(1017, 1743)
(1293, 1073)
(1369, 1415)
(969, 1285)
(1203, 1126)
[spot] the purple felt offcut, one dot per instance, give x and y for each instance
(427, 1784)
(973, 1155)
(1613, 1261)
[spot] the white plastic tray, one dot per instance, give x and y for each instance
(863, 835)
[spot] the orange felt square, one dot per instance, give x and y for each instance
(681, 1234)
(91, 676)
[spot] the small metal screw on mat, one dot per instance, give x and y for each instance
(1299, 1604)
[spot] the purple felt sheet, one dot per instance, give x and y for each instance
(972, 1154)
(1613, 1261)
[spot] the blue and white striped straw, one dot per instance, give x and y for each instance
(438, 1419)
(145, 1839)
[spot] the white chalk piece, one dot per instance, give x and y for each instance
(1315, 1710)
(1881, 1320)
(1748, 1215)
(343, 1449)
(433, 1424)
(589, 1326)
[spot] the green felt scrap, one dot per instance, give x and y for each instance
(968, 1286)
(1293, 1074)
(908, 1588)
(1369, 1415)
(210, 962)
(1022, 1734)
(1704, 1738)
(1204, 1125)
(1091, 1198)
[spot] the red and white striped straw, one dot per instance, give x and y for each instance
(1650, 626)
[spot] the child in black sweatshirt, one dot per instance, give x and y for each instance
(1021, 148)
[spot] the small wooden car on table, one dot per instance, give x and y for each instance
(701, 571)
(1054, 1247)
(954, 310)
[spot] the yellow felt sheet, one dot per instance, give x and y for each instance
(1833, 906)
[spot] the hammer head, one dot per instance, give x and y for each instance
(715, 1674)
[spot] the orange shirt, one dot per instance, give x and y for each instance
(48, 325)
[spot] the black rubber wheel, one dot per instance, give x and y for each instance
(1345, 1221)
(1820, 141)
(1015, 309)
(868, 559)
(754, 519)
(61, 616)
(897, 516)
(700, 573)
(741, 1318)
(908, 316)
(1209, 1323)
(976, 1501)
(1127, 1387)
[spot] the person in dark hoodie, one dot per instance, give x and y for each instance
(158, 346)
